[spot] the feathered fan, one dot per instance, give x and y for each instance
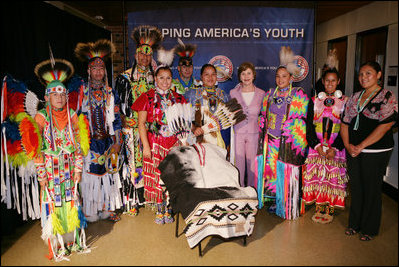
(179, 118)
(226, 115)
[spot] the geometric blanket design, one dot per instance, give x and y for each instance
(227, 218)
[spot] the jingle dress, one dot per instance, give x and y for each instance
(325, 180)
(281, 150)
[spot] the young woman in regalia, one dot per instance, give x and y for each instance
(324, 175)
(156, 137)
(282, 141)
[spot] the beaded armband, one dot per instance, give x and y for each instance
(41, 172)
(78, 163)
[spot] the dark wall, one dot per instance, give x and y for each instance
(27, 28)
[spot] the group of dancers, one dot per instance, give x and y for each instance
(98, 153)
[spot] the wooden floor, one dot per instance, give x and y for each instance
(139, 241)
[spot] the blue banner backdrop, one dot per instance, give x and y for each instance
(233, 35)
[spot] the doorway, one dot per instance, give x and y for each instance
(370, 46)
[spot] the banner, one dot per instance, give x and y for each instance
(229, 36)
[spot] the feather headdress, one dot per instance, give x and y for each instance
(287, 59)
(185, 52)
(147, 38)
(332, 60)
(102, 48)
(54, 74)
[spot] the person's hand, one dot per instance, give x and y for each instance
(43, 183)
(357, 150)
(115, 148)
(198, 131)
(320, 151)
(77, 176)
(330, 153)
(353, 151)
(147, 153)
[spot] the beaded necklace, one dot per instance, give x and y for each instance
(279, 100)
(360, 108)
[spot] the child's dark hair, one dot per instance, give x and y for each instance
(163, 68)
(206, 66)
(330, 70)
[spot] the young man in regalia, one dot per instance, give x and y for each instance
(100, 103)
(185, 81)
(130, 85)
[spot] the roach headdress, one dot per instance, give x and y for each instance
(185, 52)
(95, 53)
(53, 73)
(147, 38)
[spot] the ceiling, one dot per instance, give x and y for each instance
(111, 11)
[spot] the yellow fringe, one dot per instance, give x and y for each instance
(57, 226)
(84, 134)
(73, 219)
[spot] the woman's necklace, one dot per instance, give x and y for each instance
(279, 100)
(359, 108)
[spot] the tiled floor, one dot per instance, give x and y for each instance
(139, 241)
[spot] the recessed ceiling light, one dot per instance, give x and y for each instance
(99, 17)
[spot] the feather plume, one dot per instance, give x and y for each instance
(146, 34)
(52, 61)
(287, 59)
(332, 60)
(165, 57)
(31, 103)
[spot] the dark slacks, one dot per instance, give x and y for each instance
(366, 173)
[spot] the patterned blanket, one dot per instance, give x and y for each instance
(204, 188)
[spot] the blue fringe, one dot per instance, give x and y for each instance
(280, 205)
(82, 218)
(260, 188)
